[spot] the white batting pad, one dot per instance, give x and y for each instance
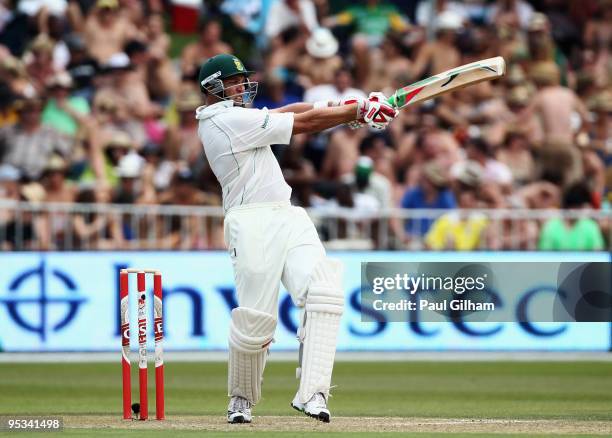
(250, 335)
(319, 331)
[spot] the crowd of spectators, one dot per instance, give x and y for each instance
(97, 101)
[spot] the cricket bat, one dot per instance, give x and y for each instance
(450, 80)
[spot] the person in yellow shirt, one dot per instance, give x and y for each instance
(460, 231)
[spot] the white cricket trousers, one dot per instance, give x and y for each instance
(269, 243)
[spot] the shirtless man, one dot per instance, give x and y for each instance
(107, 30)
(441, 54)
(553, 104)
(268, 239)
(208, 45)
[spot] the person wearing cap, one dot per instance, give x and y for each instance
(39, 62)
(54, 181)
(133, 186)
(62, 111)
(107, 30)
(267, 238)
(461, 231)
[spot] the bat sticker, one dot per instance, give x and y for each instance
(450, 80)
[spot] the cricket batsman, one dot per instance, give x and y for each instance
(268, 239)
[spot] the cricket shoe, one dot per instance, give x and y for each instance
(239, 410)
(316, 407)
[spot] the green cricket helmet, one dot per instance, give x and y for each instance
(224, 66)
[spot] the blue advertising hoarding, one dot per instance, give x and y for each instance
(62, 301)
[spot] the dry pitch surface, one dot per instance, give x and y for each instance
(350, 424)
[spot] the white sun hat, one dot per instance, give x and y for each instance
(322, 43)
(130, 166)
(449, 20)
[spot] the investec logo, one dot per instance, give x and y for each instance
(33, 292)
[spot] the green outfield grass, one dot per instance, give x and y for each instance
(568, 391)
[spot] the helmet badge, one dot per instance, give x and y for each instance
(239, 65)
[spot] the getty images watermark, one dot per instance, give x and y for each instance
(501, 291)
(427, 284)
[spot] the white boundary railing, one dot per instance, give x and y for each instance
(53, 226)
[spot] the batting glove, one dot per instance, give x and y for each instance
(379, 113)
